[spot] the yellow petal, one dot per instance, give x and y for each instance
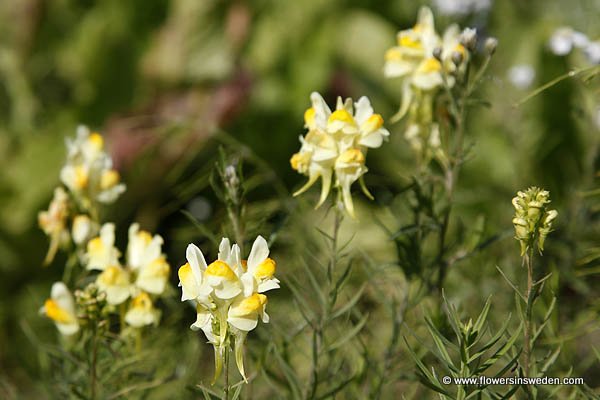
(221, 269)
(265, 269)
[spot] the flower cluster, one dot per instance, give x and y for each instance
(228, 294)
(143, 278)
(144, 275)
(336, 145)
(532, 220)
(88, 172)
(88, 179)
(424, 62)
(72, 218)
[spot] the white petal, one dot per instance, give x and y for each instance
(268, 285)
(196, 259)
(224, 249)
(248, 284)
(259, 253)
(227, 291)
(363, 110)
(373, 140)
(244, 324)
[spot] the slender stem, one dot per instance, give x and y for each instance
(319, 328)
(528, 313)
(334, 239)
(234, 213)
(93, 363)
(226, 387)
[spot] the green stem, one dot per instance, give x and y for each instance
(93, 377)
(528, 313)
(234, 213)
(319, 328)
(451, 176)
(226, 388)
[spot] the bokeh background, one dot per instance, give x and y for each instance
(168, 81)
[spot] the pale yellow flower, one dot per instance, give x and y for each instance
(243, 317)
(227, 294)
(115, 282)
(54, 222)
(260, 269)
(60, 308)
(142, 312)
(349, 167)
(413, 47)
(145, 258)
(101, 251)
(330, 149)
(191, 275)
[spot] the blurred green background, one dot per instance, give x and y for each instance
(166, 81)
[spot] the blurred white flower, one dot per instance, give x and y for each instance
(83, 229)
(592, 52)
(561, 41)
(461, 7)
(60, 308)
(142, 312)
(88, 172)
(521, 76)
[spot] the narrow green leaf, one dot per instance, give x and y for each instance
(477, 327)
(512, 285)
(438, 339)
(492, 341)
(316, 287)
(351, 303)
(550, 361)
(500, 352)
(290, 376)
(349, 335)
(538, 332)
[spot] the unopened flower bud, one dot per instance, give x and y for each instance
(490, 45)
(457, 58)
(468, 38)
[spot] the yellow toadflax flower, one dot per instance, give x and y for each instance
(260, 269)
(145, 258)
(101, 251)
(227, 295)
(336, 144)
(142, 311)
(115, 282)
(424, 61)
(60, 308)
(54, 222)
